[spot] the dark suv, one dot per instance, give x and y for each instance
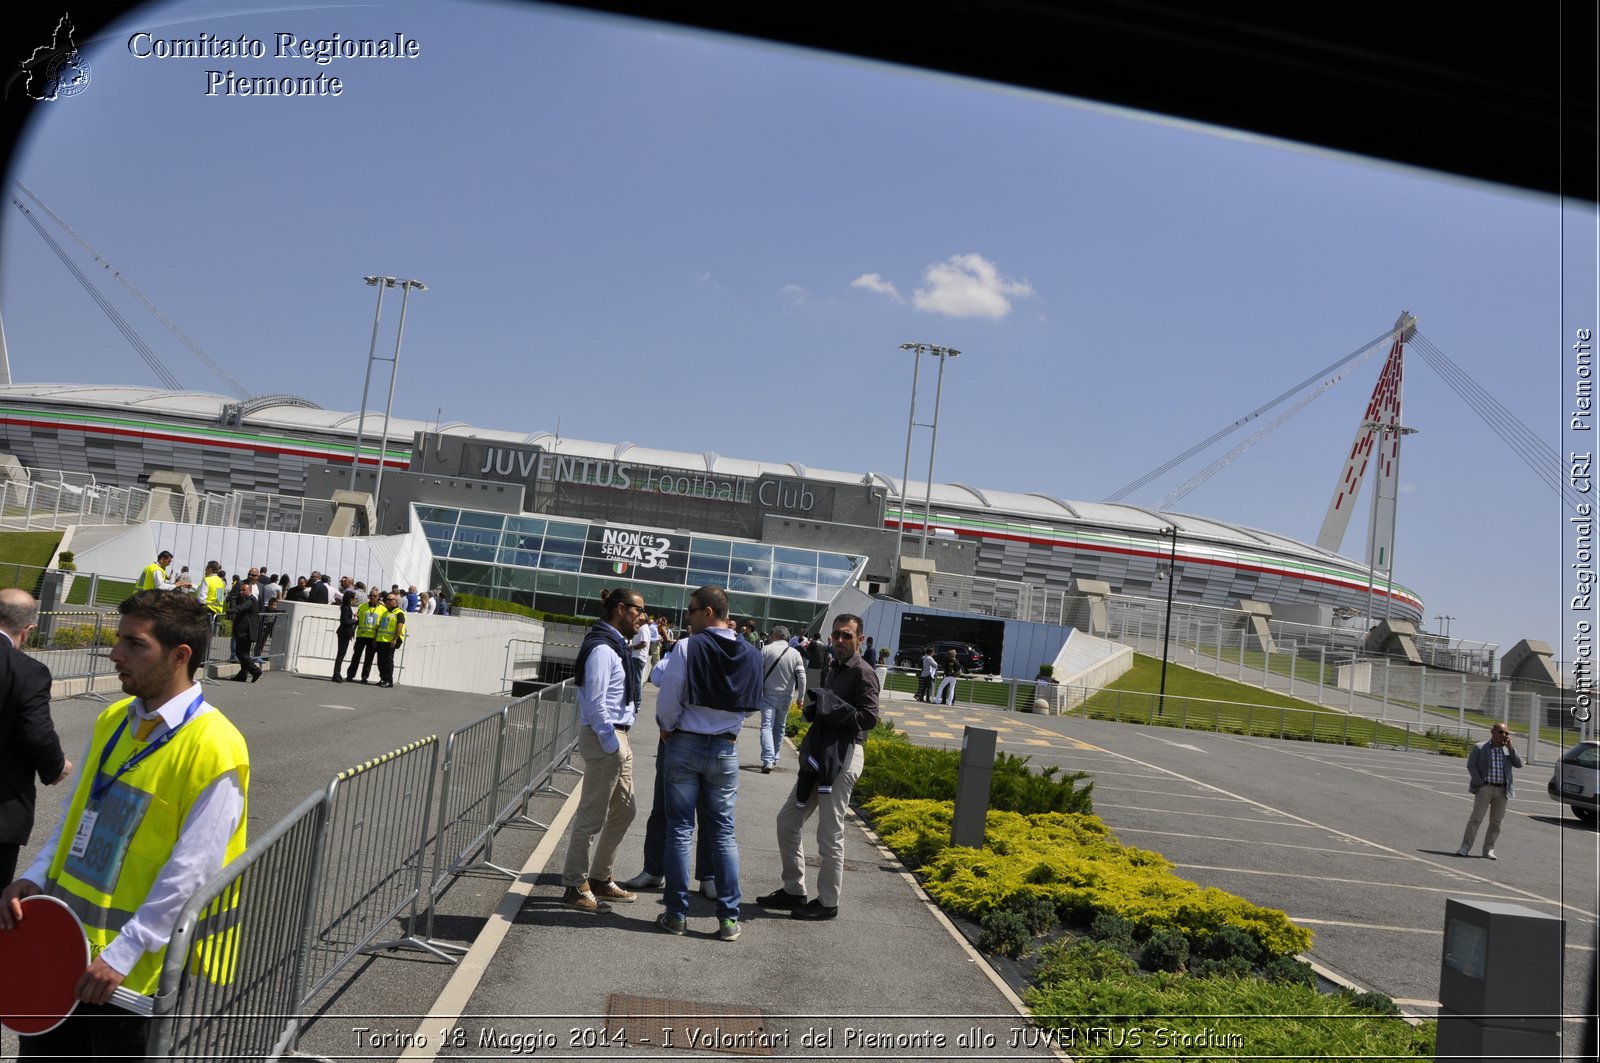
(970, 656)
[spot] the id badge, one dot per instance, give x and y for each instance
(101, 842)
(80, 840)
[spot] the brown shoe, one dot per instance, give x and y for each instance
(580, 899)
(607, 890)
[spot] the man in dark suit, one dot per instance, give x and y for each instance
(247, 631)
(28, 743)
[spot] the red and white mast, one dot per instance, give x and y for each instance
(1377, 438)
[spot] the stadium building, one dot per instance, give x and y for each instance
(548, 521)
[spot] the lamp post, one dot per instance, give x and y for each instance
(394, 373)
(1166, 628)
(379, 283)
(917, 351)
(406, 287)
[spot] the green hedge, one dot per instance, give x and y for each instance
(495, 605)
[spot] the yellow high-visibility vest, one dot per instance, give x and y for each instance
(152, 577)
(139, 819)
(212, 593)
(367, 618)
(389, 625)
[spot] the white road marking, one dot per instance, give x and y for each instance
(1517, 891)
(1180, 745)
(346, 708)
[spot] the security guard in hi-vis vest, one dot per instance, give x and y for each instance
(157, 576)
(391, 632)
(213, 590)
(368, 614)
(159, 809)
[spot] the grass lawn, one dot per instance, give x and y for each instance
(1208, 702)
(23, 556)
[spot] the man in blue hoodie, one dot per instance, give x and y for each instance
(712, 684)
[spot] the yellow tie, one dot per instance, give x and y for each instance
(142, 732)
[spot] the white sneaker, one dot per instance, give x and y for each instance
(643, 881)
(708, 888)
(1489, 854)
(1465, 850)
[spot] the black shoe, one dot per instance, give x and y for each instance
(240, 678)
(256, 678)
(337, 678)
(814, 910)
(782, 898)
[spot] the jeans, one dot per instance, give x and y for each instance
(655, 828)
(702, 771)
(774, 717)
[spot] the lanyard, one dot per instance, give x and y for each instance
(101, 784)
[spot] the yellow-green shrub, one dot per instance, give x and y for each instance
(1075, 862)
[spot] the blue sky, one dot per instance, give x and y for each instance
(687, 241)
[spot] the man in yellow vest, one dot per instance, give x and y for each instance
(213, 591)
(390, 634)
(367, 616)
(159, 809)
(157, 576)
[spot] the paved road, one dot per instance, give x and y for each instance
(1356, 844)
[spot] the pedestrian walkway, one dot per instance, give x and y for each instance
(890, 978)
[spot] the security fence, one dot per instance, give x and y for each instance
(51, 500)
(342, 873)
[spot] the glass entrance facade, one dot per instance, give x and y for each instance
(561, 566)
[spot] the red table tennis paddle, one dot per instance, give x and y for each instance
(41, 959)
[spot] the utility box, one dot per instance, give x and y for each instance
(972, 787)
(1500, 982)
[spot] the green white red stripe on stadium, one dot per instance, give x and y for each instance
(1195, 551)
(393, 458)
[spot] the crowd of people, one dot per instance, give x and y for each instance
(711, 679)
(370, 618)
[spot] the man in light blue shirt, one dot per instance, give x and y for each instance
(712, 683)
(608, 681)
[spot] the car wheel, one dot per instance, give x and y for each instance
(1585, 815)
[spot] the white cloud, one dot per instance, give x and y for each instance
(874, 282)
(967, 286)
(794, 292)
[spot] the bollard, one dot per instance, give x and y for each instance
(1499, 982)
(972, 787)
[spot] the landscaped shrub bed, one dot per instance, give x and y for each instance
(1124, 959)
(1075, 863)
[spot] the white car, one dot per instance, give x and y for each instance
(1577, 780)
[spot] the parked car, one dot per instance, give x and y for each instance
(970, 656)
(1576, 782)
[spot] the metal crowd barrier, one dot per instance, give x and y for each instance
(260, 992)
(323, 885)
(378, 822)
(316, 638)
(73, 645)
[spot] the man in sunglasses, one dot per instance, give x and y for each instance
(852, 711)
(1489, 766)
